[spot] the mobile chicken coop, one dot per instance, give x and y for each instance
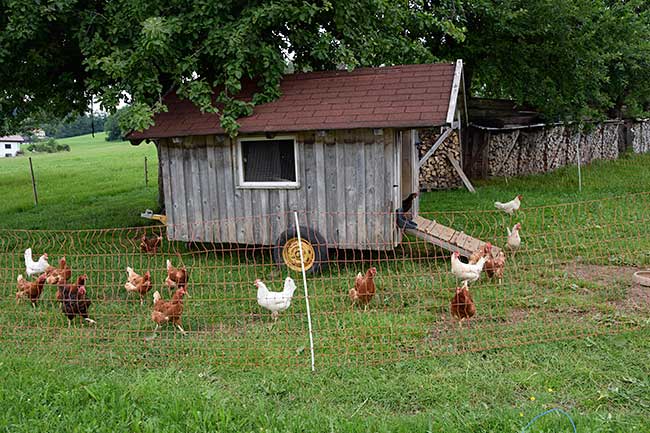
(338, 147)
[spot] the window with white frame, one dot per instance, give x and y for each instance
(268, 162)
(7, 145)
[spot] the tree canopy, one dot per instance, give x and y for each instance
(569, 58)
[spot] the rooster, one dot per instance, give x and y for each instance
(364, 288)
(176, 277)
(168, 311)
(462, 305)
(150, 245)
(514, 240)
(275, 302)
(466, 271)
(59, 275)
(138, 283)
(32, 267)
(510, 207)
(73, 300)
(30, 289)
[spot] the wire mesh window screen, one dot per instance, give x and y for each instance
(269, 160)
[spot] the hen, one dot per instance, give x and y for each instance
(168, 311)
(176, 277)
(30, 289)
(510, 207)
(462, 305)
(59, 275)
(138, 283)
(466, 271)
(73, 300)
(364, 288)
(275, 302)
(484, 251)
(32, 267)
(150, 245)
(514, 240)
(494, 268)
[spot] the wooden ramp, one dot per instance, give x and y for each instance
(446, 237)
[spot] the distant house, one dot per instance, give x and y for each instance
(10, 145)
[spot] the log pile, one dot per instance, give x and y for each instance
(539, 150)
(641, 137)
(437, 172)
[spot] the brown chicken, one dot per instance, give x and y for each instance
(138, 283)
(150, 245)
(74, 301)
(59, 275)
(364, 288)
(168, 311)
(81, 281)
(462, 305)
(485, 250)
(30, 289)
(495, 266)
(176, 277)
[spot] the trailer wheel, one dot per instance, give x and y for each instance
(314, 250)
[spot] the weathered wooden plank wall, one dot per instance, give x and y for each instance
(346, 191)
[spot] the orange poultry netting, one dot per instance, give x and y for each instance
(572, 277)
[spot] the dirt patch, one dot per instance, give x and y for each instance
(637, 297)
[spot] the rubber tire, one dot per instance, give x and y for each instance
(318, 242)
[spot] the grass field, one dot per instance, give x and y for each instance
(400, 366)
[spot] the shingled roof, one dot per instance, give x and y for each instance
(405, 96)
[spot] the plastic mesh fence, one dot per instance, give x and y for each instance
(571, 278)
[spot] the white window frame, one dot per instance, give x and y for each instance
(267, 185)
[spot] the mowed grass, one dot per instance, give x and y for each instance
(97, 184)
(402, 365)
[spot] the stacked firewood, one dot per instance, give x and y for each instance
(437, 172)
(539, 150)
(641, 137)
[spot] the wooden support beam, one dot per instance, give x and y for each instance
(435, 147)
(460, 172)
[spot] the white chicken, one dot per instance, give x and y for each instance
(32, 267)
(514, 240)
(466, 271)
(510, 207)
(275, 302)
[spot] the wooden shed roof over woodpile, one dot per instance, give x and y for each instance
(407, 96)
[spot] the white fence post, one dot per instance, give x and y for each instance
(304, 282)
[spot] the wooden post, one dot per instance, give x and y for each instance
(146, 173)
(31, 168)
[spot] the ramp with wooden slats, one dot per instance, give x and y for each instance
(446, 237)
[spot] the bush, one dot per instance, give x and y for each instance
(49, 146)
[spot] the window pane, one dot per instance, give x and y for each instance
(7, 146)
(269, 161)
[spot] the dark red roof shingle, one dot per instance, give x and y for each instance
(395, 96)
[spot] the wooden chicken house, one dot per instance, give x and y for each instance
(338, 147)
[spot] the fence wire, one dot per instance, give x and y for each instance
(571, 278)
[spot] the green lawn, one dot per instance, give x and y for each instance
(565, 328)
(97, 184)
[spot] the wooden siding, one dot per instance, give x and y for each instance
(346, 191)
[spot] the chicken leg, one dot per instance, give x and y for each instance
(180, 328)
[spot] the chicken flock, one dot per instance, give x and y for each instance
(75, 303)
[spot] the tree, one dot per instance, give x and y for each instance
(568, 58)
(73, 126)
(68, 52)
(112, 127)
